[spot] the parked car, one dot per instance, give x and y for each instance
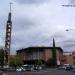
(19, 69)
(38, 67)
(8, 69)
(28, 67)
(62, 67)
(69, 67)
(73, 66)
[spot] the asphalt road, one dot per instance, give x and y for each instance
(43, 72)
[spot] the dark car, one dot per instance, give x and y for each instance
(8, 69)
(69, 67)
(28, 67)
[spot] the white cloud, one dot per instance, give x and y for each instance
(71, 1)
(37, 24)
(31, 1)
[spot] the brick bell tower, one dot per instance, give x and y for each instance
(8, 37)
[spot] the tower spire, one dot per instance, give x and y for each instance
(8, 36)
(10, 6)
(53, 42)
(9, 17)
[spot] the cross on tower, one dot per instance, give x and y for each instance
(10, 6)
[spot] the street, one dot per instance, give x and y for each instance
(43, 72)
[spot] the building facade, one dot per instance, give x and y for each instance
(32, 54)
(73, 55)
(67, 58)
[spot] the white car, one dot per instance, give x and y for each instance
(62, 67)
(19, 69)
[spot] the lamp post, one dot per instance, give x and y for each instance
(70, 29)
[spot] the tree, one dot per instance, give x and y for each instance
(15, 61)
(54, 56)
(1, 57)
(38, 62)
(50, 62)
(54, 53)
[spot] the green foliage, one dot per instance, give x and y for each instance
(39, 62)
(1, 57)
(54, 52)
(54, 56)
(15, 61)
(51, 63)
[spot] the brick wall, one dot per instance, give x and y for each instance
(44, 54)
(47, 54)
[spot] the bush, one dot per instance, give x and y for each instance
(15, 61)
(51, 63)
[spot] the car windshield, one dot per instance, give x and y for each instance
(27, 66)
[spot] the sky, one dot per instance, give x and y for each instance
(37, 22)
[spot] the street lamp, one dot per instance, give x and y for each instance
(67, 29)
(70, 29)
